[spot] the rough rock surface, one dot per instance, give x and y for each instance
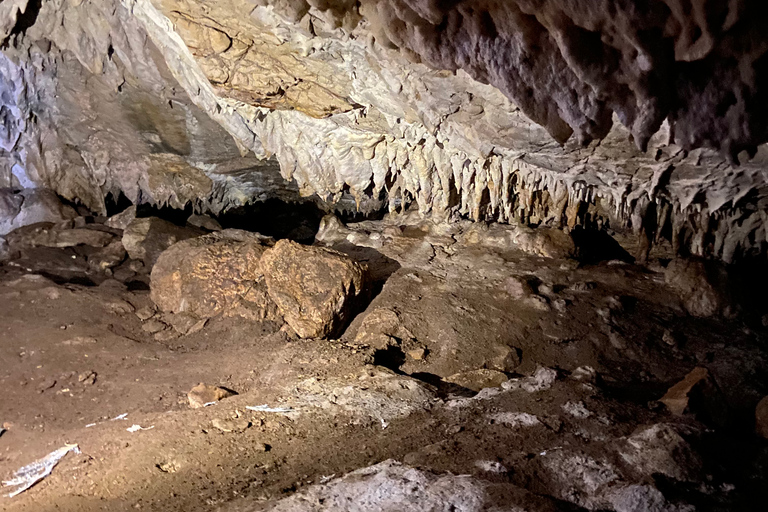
(392, 486)
(315, 289)
(212, 274)
(30, 206)
(699, 294)
(401, 103)
(145, 239)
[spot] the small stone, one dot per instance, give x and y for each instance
(47, 384)
(119, 307)
(381, 328)
(122, 219)
(51, 293)
(418, 354)
(546, 289)
(107, 257)
(560, 305)
(517, 287)
(181, 322)
(87, 378)
(204, 394)
(234, 425)
(152, 326)
(677, 397)
(166, 335)
(669, 338)
(761, 418)
(538, 302)
(699, 394)
(170, 466)
(508, 358)
(204, 221)
(477, 380)
(145, 313)
(584, 374)
(79, 340)
(261, 447)
(577, 410)
(583, 286)
(123, 273)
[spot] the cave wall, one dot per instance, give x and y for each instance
(550, 112)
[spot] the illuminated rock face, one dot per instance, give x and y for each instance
(525, 110)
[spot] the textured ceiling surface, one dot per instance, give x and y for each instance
(559, 112)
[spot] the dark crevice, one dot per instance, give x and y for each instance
(24, 21)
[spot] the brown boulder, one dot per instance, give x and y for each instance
(316, 289)
(477, 380)
(212, 274)
(145, 239)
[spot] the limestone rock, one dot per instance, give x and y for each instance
(368, 395)
(31, 206)
(477, 380)
(315, 289)
(517, 287)
(215, 273)
(507, 358)
(698, 394)
(204, 394)
(382, 327)
(107, 257)
(661, 449)
(234, 425)
(689, 278)
(145, 239)
(392, 486)
(204, 221)
(122, 219)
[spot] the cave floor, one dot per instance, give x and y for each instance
(76, 356)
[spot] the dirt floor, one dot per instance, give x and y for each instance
(519, 369)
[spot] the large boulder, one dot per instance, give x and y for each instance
(30, 206)
(694, 284)
(146, 238)
(212, 274)
(316, 289)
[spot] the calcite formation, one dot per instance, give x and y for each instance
(545, 112)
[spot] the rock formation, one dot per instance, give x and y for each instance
(529, 111)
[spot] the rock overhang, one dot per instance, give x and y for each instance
(388, 101)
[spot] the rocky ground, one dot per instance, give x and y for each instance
(396, 364)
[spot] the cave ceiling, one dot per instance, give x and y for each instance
(648, 115)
